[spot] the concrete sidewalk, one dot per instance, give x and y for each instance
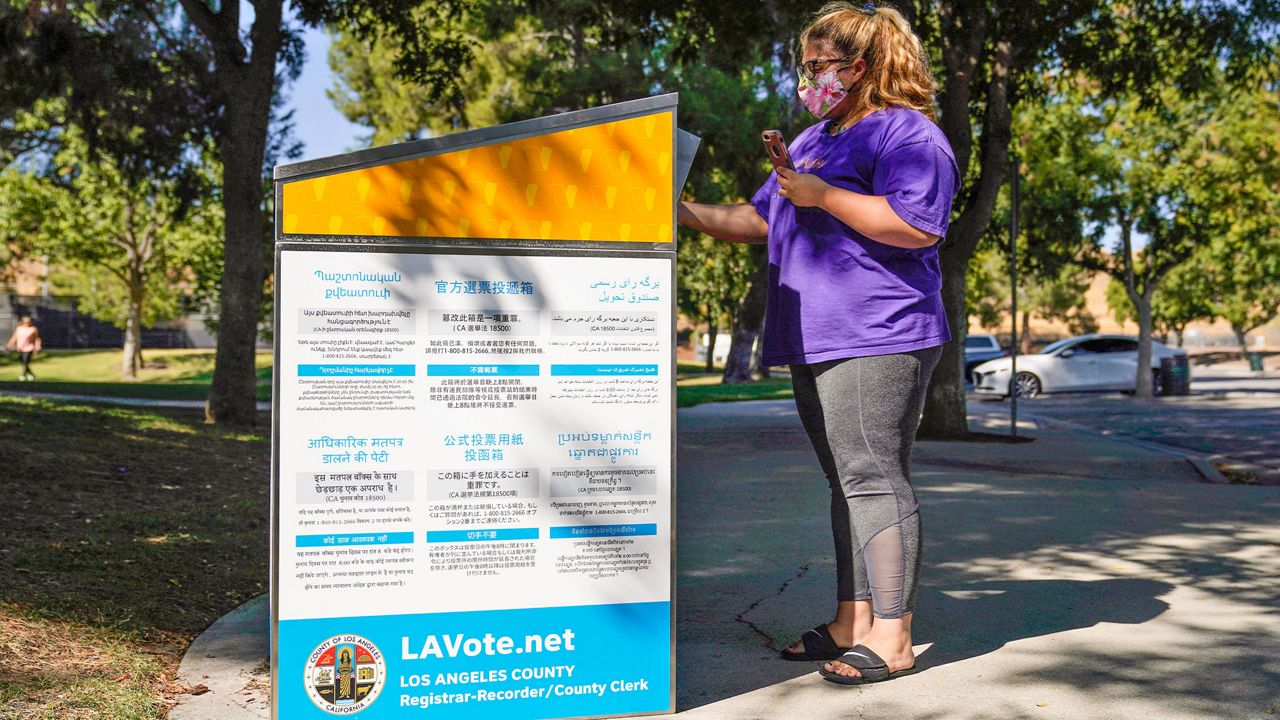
(1071, 577)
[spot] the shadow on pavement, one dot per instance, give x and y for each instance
(972, 619)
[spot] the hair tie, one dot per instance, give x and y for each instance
(869, 9)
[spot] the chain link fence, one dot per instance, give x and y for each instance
(62, 325)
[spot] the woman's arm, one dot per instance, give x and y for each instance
(735, 223)
(870, 215)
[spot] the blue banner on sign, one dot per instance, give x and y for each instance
(396, 538)
(499, 664)
(448, 536)
(485, 370)
(581, 531)
(356, 370)
(592, 370)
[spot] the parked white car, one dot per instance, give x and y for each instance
(1081, 363)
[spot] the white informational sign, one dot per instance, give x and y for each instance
(474, 458)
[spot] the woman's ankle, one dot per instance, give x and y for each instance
(854, 619)
(848, 634)
(891, 631)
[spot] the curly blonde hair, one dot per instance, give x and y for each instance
(897, 68)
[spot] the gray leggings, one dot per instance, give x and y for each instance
(861, 415)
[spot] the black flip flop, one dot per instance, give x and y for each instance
(818, 645)
(873, 668)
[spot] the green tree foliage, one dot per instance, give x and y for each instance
(129, 91)
(131, 243)
(1246, 290)
(186, 70)
(1054, 295)
(713, 275)
(368, 92)
(1182, 298)
(729, 106)
(1048, 288)
(533, 57)
(1241, 263)
(20, 197)
(1154, 169)
(990, 58)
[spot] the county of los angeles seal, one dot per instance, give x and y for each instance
(345, 674)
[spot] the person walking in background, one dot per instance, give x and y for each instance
(855, 308)
(26, 340)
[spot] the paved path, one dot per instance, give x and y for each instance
(1072, 577)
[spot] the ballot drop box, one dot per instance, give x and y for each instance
(473, 423)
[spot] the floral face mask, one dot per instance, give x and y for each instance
(823, 92)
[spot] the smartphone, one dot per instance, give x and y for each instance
(777, 148)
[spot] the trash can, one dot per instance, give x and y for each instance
(1175, 375)
(1255, 361)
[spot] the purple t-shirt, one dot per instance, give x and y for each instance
(835, 293)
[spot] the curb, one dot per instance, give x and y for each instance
(1262, 475)
(1208, 471)
(1204, 466)
(225, 670)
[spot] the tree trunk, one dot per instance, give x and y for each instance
(712, 333)
(945, 415)
(233, 393)
(245, 76)
(748, 321)
(135, 278)
(1242, 337)
(944, 410)
(131, 362)
(759, 371)
(1145, 387)
(1024, 339)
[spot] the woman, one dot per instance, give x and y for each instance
(855, 309)
(26, 340)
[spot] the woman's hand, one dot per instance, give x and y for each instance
(684, 214)
(802, 189)
(870, 215)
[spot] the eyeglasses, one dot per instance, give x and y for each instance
(810, 70)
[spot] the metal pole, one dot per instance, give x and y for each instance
(1013, 300)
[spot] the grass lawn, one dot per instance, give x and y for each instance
(168, 375)
(707, 388)
(127, 532)
(695, 369)
(694, 386)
